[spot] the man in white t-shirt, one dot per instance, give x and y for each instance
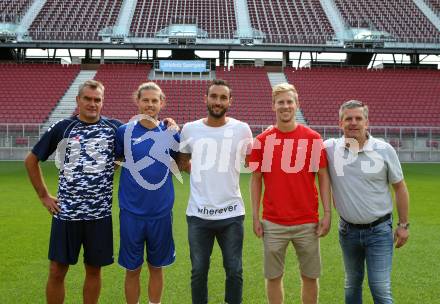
(216, 146)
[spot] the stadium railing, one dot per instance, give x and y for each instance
(288, 39)
(413, 144)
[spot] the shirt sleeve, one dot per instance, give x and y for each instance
(174, 149)
(185, 146)
(318, 158)
(395, 173)
(119, 143)
(115, 123)
(256, 155)
(323, 162)
(249, 139)
(48, 143)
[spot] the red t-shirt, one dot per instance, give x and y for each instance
(289, 162)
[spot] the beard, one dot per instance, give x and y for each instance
(287, 118)
(218, 114)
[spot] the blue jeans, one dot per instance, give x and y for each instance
(229, 235)
(373, 247)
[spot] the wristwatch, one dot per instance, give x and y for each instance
(404, 226)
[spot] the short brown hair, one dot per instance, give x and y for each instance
(93, 84)
(219, 82)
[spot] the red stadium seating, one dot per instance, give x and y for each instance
(395, 97)
(29, 92)
(251, 103)
(74, 20)
(432, 143)
(396, 143)
(215, 17)
(21, 141)
(120, 82)
(294, 22)
(398, 98)
(184, 99)
(13, 11)
(435, 5)
(251, 93)
(401, 18)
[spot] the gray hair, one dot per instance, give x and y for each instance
(353, 104)
(93, 84)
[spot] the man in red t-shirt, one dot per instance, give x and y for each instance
(287, 157)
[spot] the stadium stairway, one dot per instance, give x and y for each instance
(67, 104)
(29, 17)
(244, 28)
(277, 78)
(123, 23)
(432, 16)
(334, 17)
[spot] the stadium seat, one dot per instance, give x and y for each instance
(400, 18)
(395, 97)
(251, 103)
(120, 82)
(13, 11)
(293, 22)
(215, 17)
(74, 20)
(29, 92)
(21, 141)
(432, 143)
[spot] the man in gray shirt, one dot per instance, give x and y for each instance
(361, 168)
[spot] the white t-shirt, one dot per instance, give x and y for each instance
(216, 157)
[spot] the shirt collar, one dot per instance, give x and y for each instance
(368, 145)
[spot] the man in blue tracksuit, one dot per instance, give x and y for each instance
(146, 193)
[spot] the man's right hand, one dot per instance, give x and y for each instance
(258, 228)
(51, 204)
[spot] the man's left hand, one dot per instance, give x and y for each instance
(401, 236)
(324, 225)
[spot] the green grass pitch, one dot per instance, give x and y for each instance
(24, 234)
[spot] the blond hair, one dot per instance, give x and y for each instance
(148, 86)
(284, 87)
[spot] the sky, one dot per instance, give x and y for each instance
(130, 54)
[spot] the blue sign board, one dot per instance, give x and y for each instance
(196, 66)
